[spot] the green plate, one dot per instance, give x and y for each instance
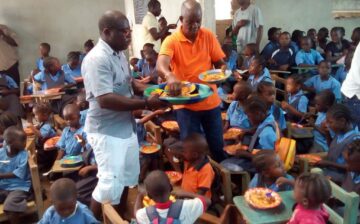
(214, 72)
(72, 161)
(203, 91)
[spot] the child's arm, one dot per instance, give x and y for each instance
(87, 169)
(327, 163)
(185, 194)
(7, 175)
(291, 109)
(60, 154)
(283, 180)
(139, 199)
(151, 116)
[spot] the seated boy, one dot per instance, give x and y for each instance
(9, 92)
(282, 58)
(198, 174)
(158, 188)
(73, 66)
(307, 57)
(83, 107)
(73, 137)
(273, 44)
(15, 175)
(44, 50)
(65, 208)
(149, 73)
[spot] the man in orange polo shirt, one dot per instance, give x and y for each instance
(183, 56)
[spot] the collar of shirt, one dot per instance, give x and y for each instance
(164, 205)
(341, 137)
(70, 216)
(182, 37)
(297, 95)
(355, 177)
(270, 118)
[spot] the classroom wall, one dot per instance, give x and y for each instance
(65, 24)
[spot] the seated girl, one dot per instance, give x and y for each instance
(258, 72)
(73, 65)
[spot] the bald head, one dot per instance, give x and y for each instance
(190, 7)
(63, 189)
(190, 18)
(112, 19)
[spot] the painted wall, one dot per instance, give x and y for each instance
(65, 24)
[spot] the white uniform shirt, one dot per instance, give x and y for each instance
(351, 84)
(149, 22)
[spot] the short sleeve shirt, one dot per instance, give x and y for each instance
(282, 57)
(318, 137)
(236, 116)
(267, 137)
(72, 72)
(320, 85)
(106, 71)
(149, 22)
(69, 143)
(40, 64)
(303, 102)
(310, 58)
(46, 130)
(302, 215)
(41, 78)
(335, 49)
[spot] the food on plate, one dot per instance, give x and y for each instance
(149, 148)
(262, 198)
(212, 77)
(149, 202)
(51, 143)
(174, 176)
(232, 133)
(170, 125)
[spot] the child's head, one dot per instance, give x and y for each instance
(14, 140)
(73, 59)
(44, 49)
(352, 156)
(257, 66)
(311, 190)
(284, 39)
(339, 118)
(88, 45)
(147, 48)
(151, 57)
(63, 196)
(71, 114)
(227, 49)
(256, 110)
(162, 23)
(323, 33)
(7, 119)
(81, 101)
(52, 65)
(324, 100)
(158, 186)
(268, 164)
(266, 90)
(274, 33)
(305, 43)
(312, 34)
(134, 61)
(296, 36)
(242, 91)
(335, 35)
(324, 69)
(154, 7)
(355, 36)
(250, 50)
(195, 147)
(293, 83)
(42, 112)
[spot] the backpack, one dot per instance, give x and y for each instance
(172, 216)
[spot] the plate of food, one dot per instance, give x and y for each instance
(232, 149)
(149, 148)
(190, 93)
(174, 176)
(149, 202)
(311, 158)
(28, 131)
(51, 143)
(262, 198)
(232, 133)
(71, 161)
(170, 126)
(215, 76)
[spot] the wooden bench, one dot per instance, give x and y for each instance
(111, 216)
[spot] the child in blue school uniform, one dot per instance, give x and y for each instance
(83, 106)
(270, 172)
(44, 50)
(323, 81)
(149, 73)
(352, 178)
(307, 57)
(142, 62)
(283, 57)
(339, 121)
(73, 65)
(9, 91)
(266, 91)
(7, 119)
(273, 44)
(249, 53)
(88, 45)
(231, 56)
(15, 175)
(297, 103)
(258, 72)
(65, 208)
(342, 71)
(73, 138)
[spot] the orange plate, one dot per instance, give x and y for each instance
(256, 197)
(52, 91)
(28, 131)
(231, 149)
(26, 97)
(232, 133)
(150, 148)
(149, 202)
(311, 158)
(51, 143)
(170, 125)
(174, 176)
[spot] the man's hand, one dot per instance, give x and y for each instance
(154, 103)
(174, 85)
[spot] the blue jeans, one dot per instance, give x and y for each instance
(354, 106)
(206, 122)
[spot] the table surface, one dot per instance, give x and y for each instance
(58, 169)
(280, 214)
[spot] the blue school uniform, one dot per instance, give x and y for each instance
(312, 57)
(83, 114)
(265, 76)
(265, 135)
(69, 143)
(340, 74)
(299, 101)
(236, 116)
(18, 165)
(279, 116)
(318, 137)
(82, 214)
(294, 47)
(72, 72)
(46, 130)
(256, 182)
(269, 48)
(282, 57)
(40, 64)
(232, 61)
(140, 64)
(341, 138)
(48, 81)
(320, 85)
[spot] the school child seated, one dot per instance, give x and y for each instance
(163, 24)
(342, 71)
(73, 65)
(322, 40)
(339, 121)
(355, 37)
(235, 115)
(266, 91)
(133, 64)
(283, 57)
(83, 106)
(158, 188)
(311, 192)
(7, 119)
(323, 81)
(198, 174)
(313, 36)
(270, 172)
(149, 73)
(142, 62)
(297, 103)
(73, 137)
(249, 53)
(231, 56)
(9, 92)
(15, 175)
(295, 43)
(44, 50)
(88, 45)
(65, 208)
(352, 157)
(307, 57)
(273, 44)
(258, 72)
(338, 47)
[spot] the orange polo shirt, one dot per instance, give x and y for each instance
(189, 59)
(194, 178)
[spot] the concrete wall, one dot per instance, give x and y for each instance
(65, 24)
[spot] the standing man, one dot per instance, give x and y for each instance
(247, 25)
(188, 52)
(109, 123)
(151, 32)
(9, 59)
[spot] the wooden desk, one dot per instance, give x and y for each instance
(58, 169)
(277, 215)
